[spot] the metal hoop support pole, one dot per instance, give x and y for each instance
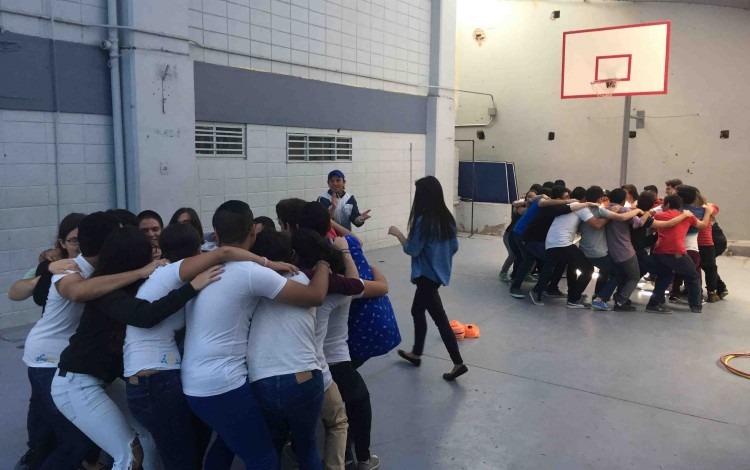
(625, 142)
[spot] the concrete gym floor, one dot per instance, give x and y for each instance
(547, 388)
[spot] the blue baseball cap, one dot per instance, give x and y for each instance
(338, 173)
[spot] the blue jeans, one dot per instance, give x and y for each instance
(157, 402)
(57, 443)
(293, 402)
(669, 265)
(237, 418)
(608, 279)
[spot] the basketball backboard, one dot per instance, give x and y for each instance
(632, 59)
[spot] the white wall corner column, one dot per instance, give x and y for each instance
(441, 111)
(159, 107)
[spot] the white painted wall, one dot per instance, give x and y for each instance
(520, 61)
(78, 11)
(380, 44)
(32, 162)
(489, 218)
(380, 176)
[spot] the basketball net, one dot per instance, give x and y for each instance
(604, 88)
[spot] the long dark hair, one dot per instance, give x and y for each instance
(125, 249)
(310, 248)
(195, 221)
(67, 224)
(435, 220)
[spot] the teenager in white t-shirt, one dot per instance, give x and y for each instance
(282, 355)
(49, 337)
(214, 368)
(335, 312)
(151, 356)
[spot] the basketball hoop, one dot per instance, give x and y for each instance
(605, 88)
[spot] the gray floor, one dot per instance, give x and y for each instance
(547, 387)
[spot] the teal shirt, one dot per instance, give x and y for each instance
(430, 258)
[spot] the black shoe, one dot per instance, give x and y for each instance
(555, 293)
(660, 308)
(517, 293)
(451, 376)
(624, 307)
(723, 293)
(698, 309)
(415, 361)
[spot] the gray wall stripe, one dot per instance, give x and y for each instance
(26, 75)
(230, 94)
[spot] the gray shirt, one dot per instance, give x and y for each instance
(593, 240)
(618, 239)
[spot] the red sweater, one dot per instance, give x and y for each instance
(706, 235)
(671, 240)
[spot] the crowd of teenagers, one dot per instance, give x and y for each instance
(167, 347)
(628, 236)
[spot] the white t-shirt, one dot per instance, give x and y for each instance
(51, 334)
(322, 316)
(282, 339)
(218, 322)
(691, 241)
(155, 348)
(563, 231)
(335, 347)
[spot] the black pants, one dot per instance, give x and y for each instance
(576, 260)
(427, 298)
(708, 265)
(358, 409)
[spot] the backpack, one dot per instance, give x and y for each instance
(373, 329)
(720, 240)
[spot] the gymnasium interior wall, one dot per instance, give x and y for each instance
(519, 62)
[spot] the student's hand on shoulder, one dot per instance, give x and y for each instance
(687, 213)
(207, 277)
(280, 267)
(322, 264)
(63, 266)
(149, 269)
(51, 255)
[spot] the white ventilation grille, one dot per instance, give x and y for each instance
(318, 148)
(219, 140)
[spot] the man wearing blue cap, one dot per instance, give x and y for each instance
(341, 205)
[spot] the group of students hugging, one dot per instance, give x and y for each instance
(625, 235)
(164, 347)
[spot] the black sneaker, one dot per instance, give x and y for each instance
(555, 293)
(535, 297)
(696, 309)
(624, 307)
(659, 308)
(675, 299)
(723, 293)
(517, 293)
